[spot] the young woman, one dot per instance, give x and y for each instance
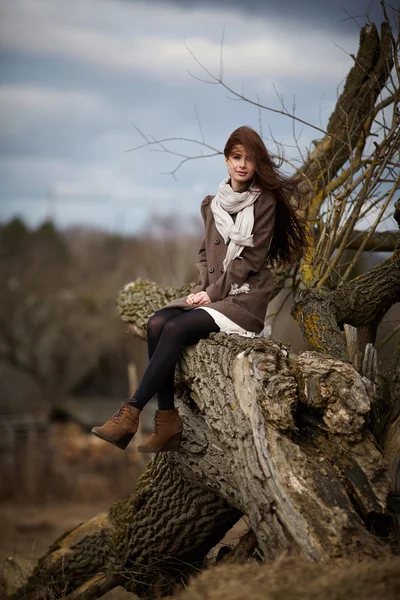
(248, 223)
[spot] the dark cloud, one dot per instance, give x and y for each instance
(334, 14)
(52, 138)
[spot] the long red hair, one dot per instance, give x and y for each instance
(289, 242)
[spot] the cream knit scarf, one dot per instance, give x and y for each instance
(238, 234)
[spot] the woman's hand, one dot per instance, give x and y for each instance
(200, 299)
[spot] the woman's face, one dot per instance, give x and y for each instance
(241, 167)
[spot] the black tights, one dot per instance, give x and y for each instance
(167, 331)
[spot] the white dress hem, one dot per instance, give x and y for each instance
(228, 326)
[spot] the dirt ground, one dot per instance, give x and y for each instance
(46, 491)
(28, 531)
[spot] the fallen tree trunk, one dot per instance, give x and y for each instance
(279, 438)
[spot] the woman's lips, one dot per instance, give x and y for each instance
(241, 172)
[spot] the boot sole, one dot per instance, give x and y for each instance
(121, 444)
(171, 445)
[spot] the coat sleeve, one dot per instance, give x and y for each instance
(252, 259)
(201, 265)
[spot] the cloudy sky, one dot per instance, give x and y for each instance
(78, 77)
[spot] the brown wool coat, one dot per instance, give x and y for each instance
(246, 309)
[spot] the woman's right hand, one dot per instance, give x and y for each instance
(201, 298)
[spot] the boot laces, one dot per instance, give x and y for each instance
(156, 421)
(118, 414)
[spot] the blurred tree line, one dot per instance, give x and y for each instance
(60, 333)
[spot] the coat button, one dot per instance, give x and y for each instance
(211, 270)
(217, 241)
(222, 270)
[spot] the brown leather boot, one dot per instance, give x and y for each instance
(167, 433)
(120, 429)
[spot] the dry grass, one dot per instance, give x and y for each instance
(296, 579)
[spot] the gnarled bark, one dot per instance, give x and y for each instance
(145, 543)
(363, 301)
(363, 85)
(277, 437)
